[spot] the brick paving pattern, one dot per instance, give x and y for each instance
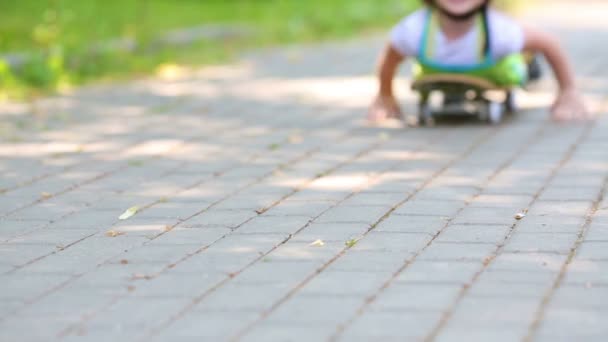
(236, 171)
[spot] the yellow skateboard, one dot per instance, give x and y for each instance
(462, 95)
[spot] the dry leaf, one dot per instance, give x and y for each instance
(295, 139)
(128, 213)
(46, 195)
(168, 228)
(520, 216)
(317, 243)
(113, 233)
(260, 211)
(124, 261)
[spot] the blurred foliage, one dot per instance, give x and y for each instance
(61, 39)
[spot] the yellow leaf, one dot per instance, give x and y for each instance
(128, 213)
(351, 243)
(113, 233)
(170, 71)
(384, 136)
(317, 243)
(46, 195)
(295, 139)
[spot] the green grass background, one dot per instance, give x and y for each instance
(58, 35)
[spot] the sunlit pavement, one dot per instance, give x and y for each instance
(257, 205)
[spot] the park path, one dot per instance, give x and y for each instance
(268, 211)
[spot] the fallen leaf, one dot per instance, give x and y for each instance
(317, 243)
(140, 276)
(260, 211)
(124, 261)
(295, 139)
(170, 71)
(130, 288)
(520, 216)
(113, 233)
(128, 213)
(46, 195)
(168, 228)
(274, 146)
(163, 200)
(351, 243)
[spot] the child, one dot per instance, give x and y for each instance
(467, 36)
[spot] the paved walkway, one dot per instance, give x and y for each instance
(268, 211)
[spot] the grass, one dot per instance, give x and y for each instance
(57, 36)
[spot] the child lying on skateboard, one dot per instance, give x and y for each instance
(470, 37)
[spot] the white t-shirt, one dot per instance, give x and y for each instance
(506, 37)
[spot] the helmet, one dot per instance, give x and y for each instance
(463, 16)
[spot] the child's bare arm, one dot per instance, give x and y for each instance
(385, 105)
(569, 104)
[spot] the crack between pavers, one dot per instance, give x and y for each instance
(490, 259)
(344, 136)
(302, 157)
(169, 172)
(209, 291)
(542, 309)
(368, 301)
(291, 293)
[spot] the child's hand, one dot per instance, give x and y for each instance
(568, 106)
(384, 107)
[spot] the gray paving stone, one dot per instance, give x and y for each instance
(344, 213)
(25, 287)
(514, 202)
(219, 326)
(287, 331)
(439, 272)
(333, 282)
(412, 224)
(19, 255)
(574, 324)
(273, 224)
(466, 252)
(475, 215)
(541, 243)
(391, 325)
(491, 234)
(530, 262)
(331, 232)
(416, 297)
(593, 250)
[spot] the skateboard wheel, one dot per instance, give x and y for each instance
(510, 105)
(495, 112)
(425, 115)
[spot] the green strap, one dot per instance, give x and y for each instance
(432, 33)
